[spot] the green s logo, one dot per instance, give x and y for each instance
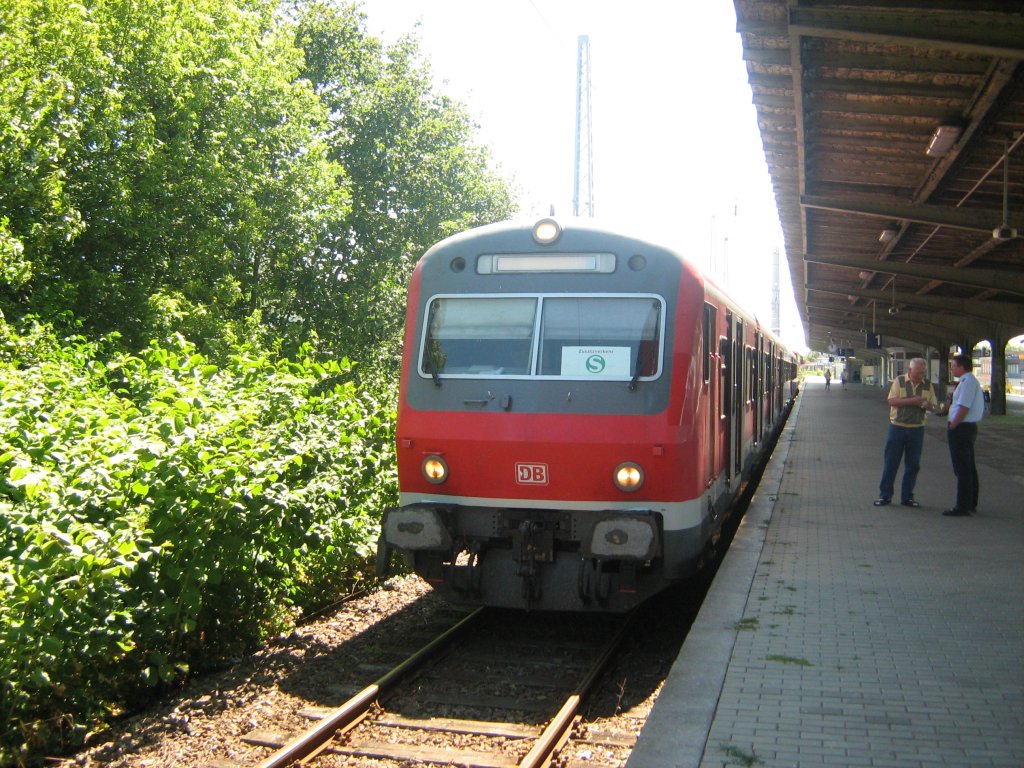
(595, 364)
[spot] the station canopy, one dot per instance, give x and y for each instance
(894, 135)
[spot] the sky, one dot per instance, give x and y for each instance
(675, 145)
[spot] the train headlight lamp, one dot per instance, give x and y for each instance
(628, 476)
(547, 232)
(435, 469)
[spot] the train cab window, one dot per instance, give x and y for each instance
(600, 337)
(489, 336)
(610, 337)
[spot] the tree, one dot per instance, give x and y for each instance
(213, 167)
(155, 149)
(415, 177)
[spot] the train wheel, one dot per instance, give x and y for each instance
(584, 580)
(603, 585)
(382, 562)
(476, 573)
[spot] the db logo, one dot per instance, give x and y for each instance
(531, 474)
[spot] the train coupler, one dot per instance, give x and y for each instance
(533, 543)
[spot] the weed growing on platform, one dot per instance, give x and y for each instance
(738, 755)
(790, 660)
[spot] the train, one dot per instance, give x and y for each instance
(578, 409)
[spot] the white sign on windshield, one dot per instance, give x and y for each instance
(596, 361)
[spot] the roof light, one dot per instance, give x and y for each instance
(547, 232)
(943, 139)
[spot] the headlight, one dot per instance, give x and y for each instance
(435, 469)
(628, 476)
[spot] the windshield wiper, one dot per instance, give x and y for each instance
(636, 375)
(641, 358)
(428, 347)
(432, 367)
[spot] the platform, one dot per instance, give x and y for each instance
(837, 633)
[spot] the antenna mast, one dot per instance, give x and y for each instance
(584, 163)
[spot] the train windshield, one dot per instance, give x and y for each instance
(611, 337)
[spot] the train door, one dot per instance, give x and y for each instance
(711, 387)
(758, 384)
(739, 374)
(728, 391)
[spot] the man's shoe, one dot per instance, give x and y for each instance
(883, 502)
(910, 503)
(954, 512)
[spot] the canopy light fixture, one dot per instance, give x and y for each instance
(887, 235)
(943, 139)
(1004, 231)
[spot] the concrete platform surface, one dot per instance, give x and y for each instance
(837, 633)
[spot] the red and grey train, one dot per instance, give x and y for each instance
(578, 410)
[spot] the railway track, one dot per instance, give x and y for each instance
(496, 690)
(501, 689)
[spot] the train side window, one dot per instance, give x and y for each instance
(709, 335)
(752, 357)
(724, 390)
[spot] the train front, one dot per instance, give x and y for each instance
(539, 461)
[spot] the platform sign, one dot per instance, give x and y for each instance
(873, 341)
(596, 362)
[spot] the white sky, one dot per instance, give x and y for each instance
(676, 148)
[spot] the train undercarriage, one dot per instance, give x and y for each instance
(526, 558)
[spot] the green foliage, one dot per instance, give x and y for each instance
(163, 145)
(14, 269)
(160, 513)
(212, 161)
(250, 175)
(415, 176)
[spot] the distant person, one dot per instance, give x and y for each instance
(910, 399)
(842, 378)
(828, 378)
(965, 411)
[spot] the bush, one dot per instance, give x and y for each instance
(161, 513)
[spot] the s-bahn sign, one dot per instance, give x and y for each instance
(596, 361)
